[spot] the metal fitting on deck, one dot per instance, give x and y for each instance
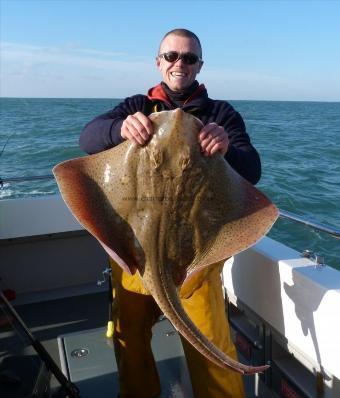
(319, 260)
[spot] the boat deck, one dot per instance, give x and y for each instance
(68, 325)
(78, 323)
(97, 370)
(47, 320)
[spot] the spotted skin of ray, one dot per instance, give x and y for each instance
(168, 212)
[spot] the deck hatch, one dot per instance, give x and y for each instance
(97, 371)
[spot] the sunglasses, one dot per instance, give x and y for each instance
(174, 56)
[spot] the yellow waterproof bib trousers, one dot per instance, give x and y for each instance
(134, 314)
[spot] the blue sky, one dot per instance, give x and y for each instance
(265, 50)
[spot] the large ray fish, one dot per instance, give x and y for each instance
(167, 211)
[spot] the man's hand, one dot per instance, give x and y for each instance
(213, 138)
(137, 128)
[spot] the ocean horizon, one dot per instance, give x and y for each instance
(229, 100)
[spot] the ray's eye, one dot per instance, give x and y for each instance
(156, 158)
(184, 162)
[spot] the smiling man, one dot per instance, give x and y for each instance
(179, 75)
(179, 60)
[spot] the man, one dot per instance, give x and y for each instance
(179, 61)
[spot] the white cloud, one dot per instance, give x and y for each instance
(71, 71)
(253, 85)
(28, 70)
(237, 84)
(65, 56)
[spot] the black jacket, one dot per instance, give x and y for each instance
(104, 131)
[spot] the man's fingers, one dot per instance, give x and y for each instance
(137, 128)
(212, 139)
(129, 132)
(206, 130)
(136, 136)
(221, 147)
(145, 121)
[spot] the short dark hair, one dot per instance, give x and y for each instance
(183, 33)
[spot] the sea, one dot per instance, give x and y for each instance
(299, 145)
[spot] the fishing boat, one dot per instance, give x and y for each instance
(281, 305)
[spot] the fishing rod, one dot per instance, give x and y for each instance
(107, 273)
(70, 389)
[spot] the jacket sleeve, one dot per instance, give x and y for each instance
(103, 132)
(241, 154)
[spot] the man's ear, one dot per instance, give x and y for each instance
(158, 63)
(200, 67)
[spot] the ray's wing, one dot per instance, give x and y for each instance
(97, 188)
(232, 215)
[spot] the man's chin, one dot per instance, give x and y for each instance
(178, 86)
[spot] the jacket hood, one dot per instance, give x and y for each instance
(158, 93)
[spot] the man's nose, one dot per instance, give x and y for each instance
(179, 62)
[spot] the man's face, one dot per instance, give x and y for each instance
(178, 75)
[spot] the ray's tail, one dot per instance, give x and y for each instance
(169, 302)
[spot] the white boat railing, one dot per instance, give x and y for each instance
(330, 230)
(24, 179)
(335, 232)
